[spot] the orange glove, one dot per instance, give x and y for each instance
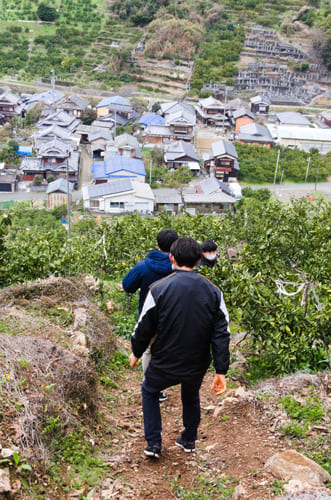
(219, 384)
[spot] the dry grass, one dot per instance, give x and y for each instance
(46, 390)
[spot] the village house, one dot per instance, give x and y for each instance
(73, 104)
(108, 122)
(119, 196)
(57, 193)
(292, 118)
(181, 125)
(177, 126)
(168, 200)
(118, 109)
(180, 153)
(54, 160)
(98, 140)
(223, 160)
(60, 119)
(235, 104)
(118, 167)
(170, 108)
(47, 133)
(211, 111)
(150, 119)
(207, 197)
(10, 105)
(255, 134)
(303, 138)
(128, 145)
(242, 117)
(46, 99)
(8, 181)
(260, 105)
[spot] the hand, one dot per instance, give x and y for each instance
(219, 384)
(133, 360)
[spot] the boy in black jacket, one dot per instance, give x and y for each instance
(188, 314)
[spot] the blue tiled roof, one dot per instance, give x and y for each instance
(151, 119)
(24, 150)
(112, 167)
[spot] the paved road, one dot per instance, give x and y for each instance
(32, 196)
(282, 192)
(285, 192)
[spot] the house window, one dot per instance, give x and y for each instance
(94, 203)
(116, 204)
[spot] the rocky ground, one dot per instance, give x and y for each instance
(50, 391)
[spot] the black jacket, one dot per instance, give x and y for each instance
(188, 314)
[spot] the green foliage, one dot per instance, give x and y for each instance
(60, 211)
(8, 153)
(75, 463)
(218, 54)
(204, 488)
(46, 13)
(311, 411)
(258, 164)
(277, 487)
(89, 116)
(37, 180)
(250, 195)
(273, 241)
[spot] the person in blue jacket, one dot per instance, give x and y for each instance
(154, 267)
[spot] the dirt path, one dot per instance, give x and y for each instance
(236, 437)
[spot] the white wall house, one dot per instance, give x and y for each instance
(303, 138)
(119, 196)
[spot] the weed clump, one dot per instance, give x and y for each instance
(51, 390)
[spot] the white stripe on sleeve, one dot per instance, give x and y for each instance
(224, 311)
(148, 304)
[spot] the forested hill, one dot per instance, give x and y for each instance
(97, 41)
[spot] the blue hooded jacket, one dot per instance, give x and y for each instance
(155, 266)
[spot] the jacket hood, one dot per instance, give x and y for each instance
(158, 262)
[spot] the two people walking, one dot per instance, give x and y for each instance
(184, 320)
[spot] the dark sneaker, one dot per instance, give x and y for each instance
(187, 446)
(163, 396)
(152, 451)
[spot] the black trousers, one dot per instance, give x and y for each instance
(151, 387)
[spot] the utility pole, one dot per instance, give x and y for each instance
(53, 84)
(316, 180)
(281, 178)
(275, 176)
(307, 169)
(68, 208)
(150, 173)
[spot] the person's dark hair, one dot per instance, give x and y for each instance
(186, 252)
(165, 239)
(208, 246)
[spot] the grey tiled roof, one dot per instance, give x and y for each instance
(292, 118)
(109, 188)
(242, 112)
(60, 185)
(167, 195)
(223, 147)
(178, 149)
(126, 140)
(259, 99)
(54, 145)
(73, 101)
(253, 132)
